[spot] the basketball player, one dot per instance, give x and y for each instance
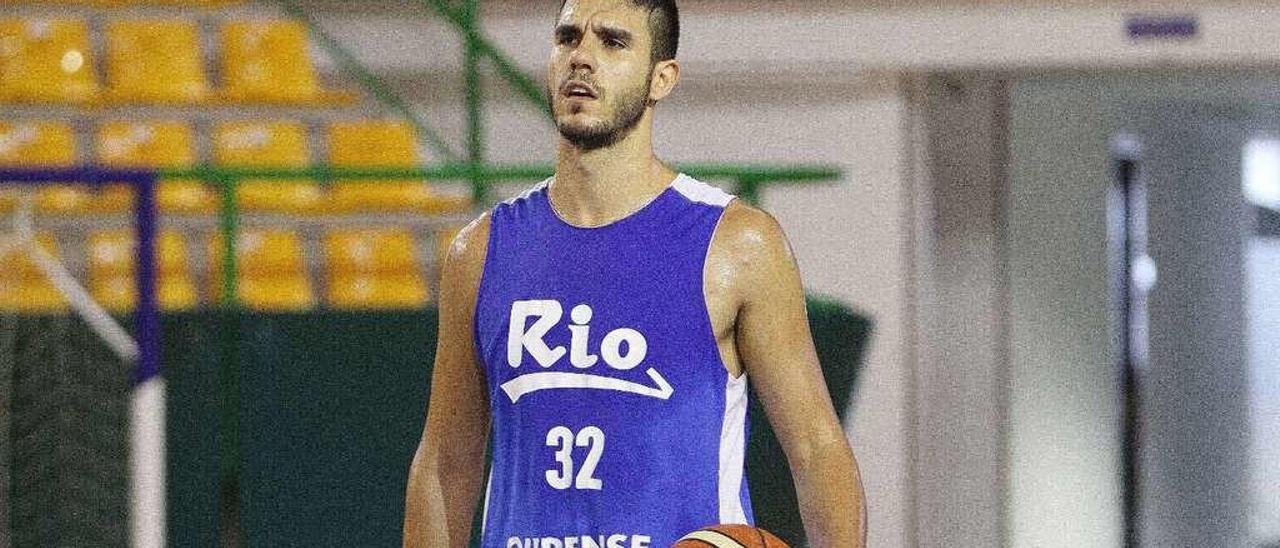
(606, 323)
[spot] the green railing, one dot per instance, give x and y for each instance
(749, 180)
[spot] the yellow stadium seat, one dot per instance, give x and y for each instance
(46, 61)
(50, 144)
(268, 144)
(23, 286)
(31, 296)
(37, 143)
(111, 271)
(15, 259)
(372, 143)
(272, 272)
(370, 251)
(155, 61)
(261, 252)
(113, 252)
(377, 291)
(373, 268)
(381, 144)
(120, 293)
(152, 144)
(266, 61)
(125, 3)
(276, 293)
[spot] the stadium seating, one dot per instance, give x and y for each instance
(155, 61)
(24, 287)
(266, 61)
(268, 144)
(374, 144)
(125, 3)
(46, 61)
(271, 267)
(384, 144)
(373, 269)
(112, 267)
(27, 144)
(159, 61)
(152, 144)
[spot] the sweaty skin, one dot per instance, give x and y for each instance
(752, 286)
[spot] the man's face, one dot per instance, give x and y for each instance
(598, 78)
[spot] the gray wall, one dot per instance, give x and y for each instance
(1064, 434)
(1063, 448)
(960, 397)
(1195, 407)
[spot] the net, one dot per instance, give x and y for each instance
(72, 470)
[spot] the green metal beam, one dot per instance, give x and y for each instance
(760, 175)
(475, 98)
(504, 65)
(371, 82)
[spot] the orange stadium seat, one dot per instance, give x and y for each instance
(272, 272)
(381, 144)
(46, 61)
(155, 61)
(49, 144)
(268, 144)
(152, 144)
(111, 271)
(373, 269)
(23, 286)
(266, 61)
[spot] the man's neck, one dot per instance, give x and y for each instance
(598, 187)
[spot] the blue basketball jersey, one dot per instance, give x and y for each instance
(615, 422)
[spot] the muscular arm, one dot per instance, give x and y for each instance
(448, 467)
(776, 350)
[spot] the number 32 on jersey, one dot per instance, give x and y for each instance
(564, 441)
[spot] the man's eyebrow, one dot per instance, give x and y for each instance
(567, 29)
(617, 33)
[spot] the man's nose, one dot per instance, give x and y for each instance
(582, 58)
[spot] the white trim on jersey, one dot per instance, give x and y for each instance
(488, 492)
(701, 192)
(733, 446)
(530, 192)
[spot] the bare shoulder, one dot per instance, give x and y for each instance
(750, 258)
(750, 236)
(464, 260)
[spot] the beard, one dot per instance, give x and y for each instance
(630, 109)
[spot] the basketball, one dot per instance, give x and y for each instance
(730, 536)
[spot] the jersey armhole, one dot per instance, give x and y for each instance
(702, 291)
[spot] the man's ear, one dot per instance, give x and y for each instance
(666, 74)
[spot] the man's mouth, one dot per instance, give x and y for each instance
(578, 90)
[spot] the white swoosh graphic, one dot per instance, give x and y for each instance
(533, 382)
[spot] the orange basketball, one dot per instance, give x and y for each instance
(730, 536)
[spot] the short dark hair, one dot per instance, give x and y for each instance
(664, 27)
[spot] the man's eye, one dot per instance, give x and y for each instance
(615, 43)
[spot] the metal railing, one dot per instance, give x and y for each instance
(750, 180)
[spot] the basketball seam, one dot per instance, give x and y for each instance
(763, 541)
(717, 535)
